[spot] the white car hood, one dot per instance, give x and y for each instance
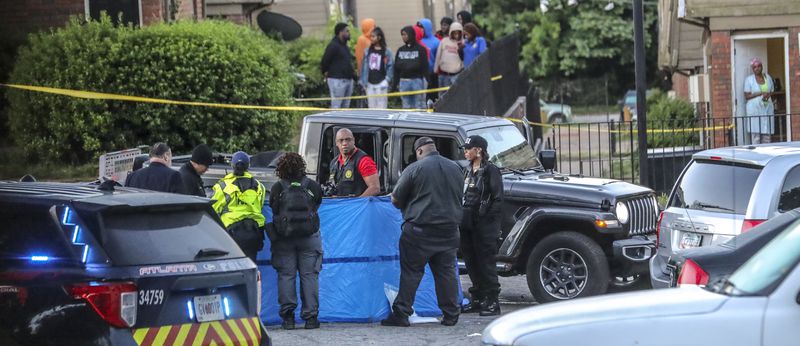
(664, 302)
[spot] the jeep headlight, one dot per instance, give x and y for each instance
(622, 212)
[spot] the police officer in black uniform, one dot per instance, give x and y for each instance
(429, 193)
(353, 172)
(480, 226)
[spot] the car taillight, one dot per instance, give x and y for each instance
(692, 274)
(115, 302)
(749, 224)
(658, 228)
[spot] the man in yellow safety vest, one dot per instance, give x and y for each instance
(238, 199)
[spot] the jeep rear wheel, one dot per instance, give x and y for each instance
(566, 265)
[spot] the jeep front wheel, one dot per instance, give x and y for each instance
(566, 265)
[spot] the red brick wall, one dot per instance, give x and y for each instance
(721, 94)
(152, 12)
(794, 80)
(32, 15)
(720, 74)
(680, 84)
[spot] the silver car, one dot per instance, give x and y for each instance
(722, 193)
(555, 113)
(756, 305)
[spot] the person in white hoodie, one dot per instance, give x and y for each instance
(449, 57)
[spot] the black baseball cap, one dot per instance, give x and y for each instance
(422, 141)
(475, 142)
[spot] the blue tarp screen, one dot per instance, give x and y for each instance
(360, 254)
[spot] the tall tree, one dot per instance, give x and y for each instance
(566, 41)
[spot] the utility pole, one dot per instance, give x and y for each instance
(641, 90)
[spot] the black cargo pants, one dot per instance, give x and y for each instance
(479, 235)
(436, 246)
(293, 256)
(248, 236)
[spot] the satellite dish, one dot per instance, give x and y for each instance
(271, 23)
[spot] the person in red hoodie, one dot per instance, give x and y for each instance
(420, 33)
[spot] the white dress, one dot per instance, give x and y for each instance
(758, 108)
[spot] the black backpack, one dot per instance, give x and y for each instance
(296, 216)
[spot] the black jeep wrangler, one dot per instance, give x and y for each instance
(571, 235)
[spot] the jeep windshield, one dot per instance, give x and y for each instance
(508, 148)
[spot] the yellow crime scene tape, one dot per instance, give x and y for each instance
(108, 96)
(392, 94)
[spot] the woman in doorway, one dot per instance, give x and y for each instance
(376, 74)
(758, 89)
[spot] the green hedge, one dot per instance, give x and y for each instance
(207, 61)
(672, 116)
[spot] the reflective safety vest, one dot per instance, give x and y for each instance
(239, 197)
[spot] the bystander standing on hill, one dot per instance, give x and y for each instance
(377, 69)
(449, 62)
(411, 68)
(474, 44)
(337, 67)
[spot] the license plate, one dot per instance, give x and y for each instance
(208, 308)
(690, 240)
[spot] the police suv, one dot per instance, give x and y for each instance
(88, 265)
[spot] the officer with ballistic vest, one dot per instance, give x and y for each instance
(238, 199)
(353, 172)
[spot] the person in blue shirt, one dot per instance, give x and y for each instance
(430, 40)
(474, 44)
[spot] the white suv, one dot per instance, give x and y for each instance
(722, 193)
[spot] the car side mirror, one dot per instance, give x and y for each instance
(548, 159)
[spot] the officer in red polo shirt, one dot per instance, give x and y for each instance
(353, 172)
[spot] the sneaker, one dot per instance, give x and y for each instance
(491, 308)
(312, 323)
(474, 305)
(449, 321)
(288, 323)
(395, 321)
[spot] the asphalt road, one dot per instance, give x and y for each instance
(514, 296)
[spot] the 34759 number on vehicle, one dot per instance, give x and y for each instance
(151, 297)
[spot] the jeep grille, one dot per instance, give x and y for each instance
(643, 215)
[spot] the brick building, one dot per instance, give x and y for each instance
(708, 45)
(25, 16)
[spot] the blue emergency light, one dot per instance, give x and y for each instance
(38, 258)
(191, 309)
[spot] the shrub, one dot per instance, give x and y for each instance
(207, 61)
(305, 55)
(672, 118)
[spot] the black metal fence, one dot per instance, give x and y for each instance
(610, 149)
(490, 85)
